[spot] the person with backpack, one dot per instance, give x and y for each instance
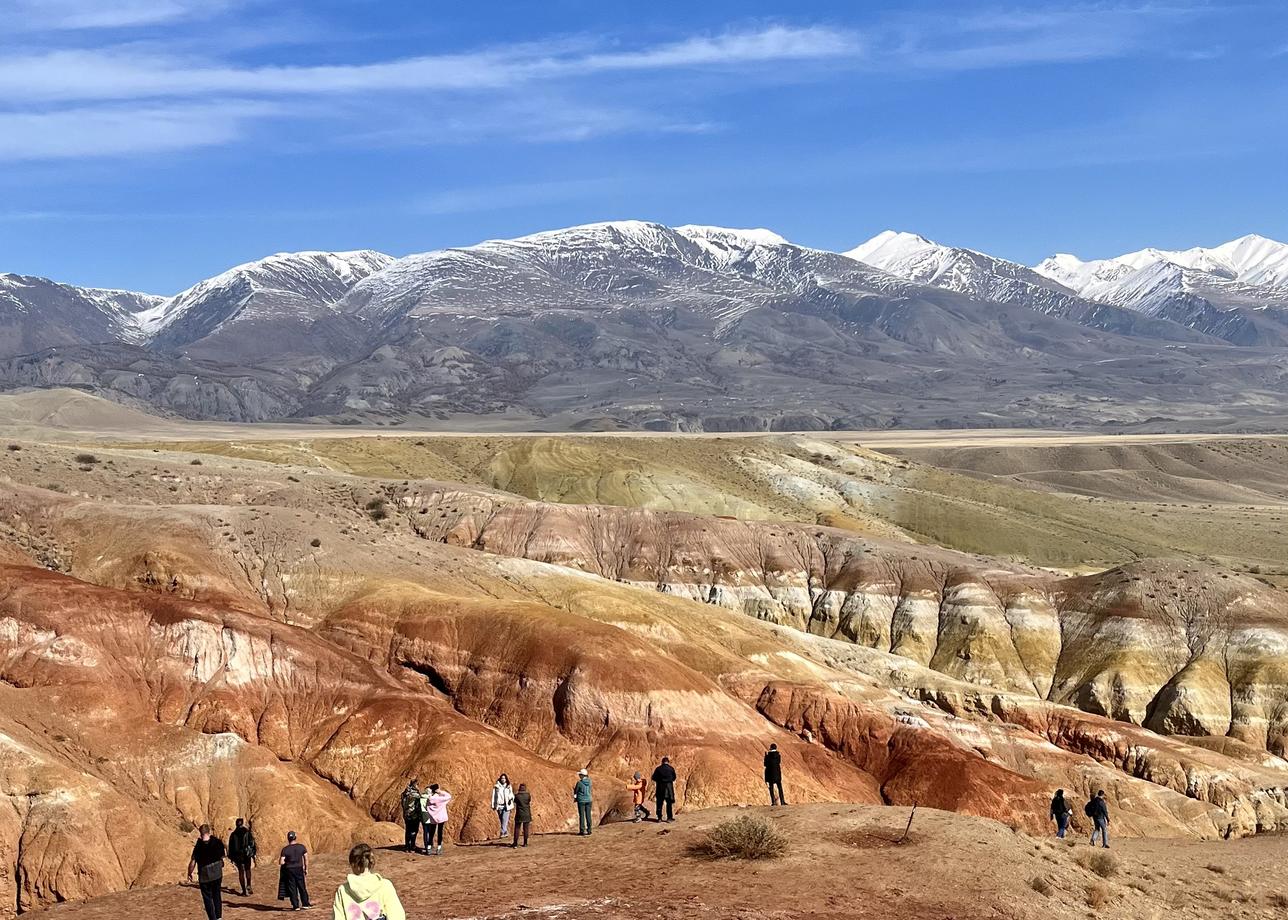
(664, 789)
(637, 786)
(503, 803)
(583, 795)
(774, 775)
(242, 851)
(208, 862)
(366, 895)
(1060, 813)
(413, 815)
(435, 805)
(1098, 811)
(292, 877)
(522, 814)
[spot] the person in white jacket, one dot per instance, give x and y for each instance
(366, 895)
(503, 803)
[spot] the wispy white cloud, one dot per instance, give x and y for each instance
(125, 73)
(117, 130)
(38, 15)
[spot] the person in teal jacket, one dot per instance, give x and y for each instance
(581, 794)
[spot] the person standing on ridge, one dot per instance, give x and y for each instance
(774, 775)
(435, 804)
(208, 862)
(242, 850)
(637, 786)
(413, 815)
(1060, 813)
(1098, 811)
(664, 789)
(584, 797)
(522, 814)
(292, 877)
(503, 803)
(365, 895)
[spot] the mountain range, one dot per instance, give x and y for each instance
(631, 324)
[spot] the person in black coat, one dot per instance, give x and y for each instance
(774, 775)
(242, 850)
(664, 789)
(208, 862)
(292, 877)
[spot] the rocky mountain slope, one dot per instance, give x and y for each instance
(636, 325)
(189, 637)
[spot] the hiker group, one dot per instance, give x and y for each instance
(1097, 809)
(365, 895)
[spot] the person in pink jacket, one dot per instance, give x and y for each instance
(435, 802)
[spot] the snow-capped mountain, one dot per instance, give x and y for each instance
(1237, 291)
(38, 313)
(260, 298)
(640, 324)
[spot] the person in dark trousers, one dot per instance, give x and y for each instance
(583, 795)
(774, 775)
(1098, 811)
(413, 815)
(208, 862)
(241, 850)
(664, 789)
(292, 879)
(522, 814)
(1060, 813)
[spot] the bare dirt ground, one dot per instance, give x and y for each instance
(843, 862)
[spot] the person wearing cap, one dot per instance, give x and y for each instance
(293, 876)
(581, 794)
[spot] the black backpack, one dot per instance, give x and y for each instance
(1089, 809)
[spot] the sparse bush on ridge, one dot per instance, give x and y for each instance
(86, 459)
(743, 837)
(1102, 864)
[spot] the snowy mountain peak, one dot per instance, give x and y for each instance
(758, 236)
(889, 246)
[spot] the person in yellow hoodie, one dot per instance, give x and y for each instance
(365, 895)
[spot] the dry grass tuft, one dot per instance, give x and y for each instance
(1097, 896)
(1041, 885)
(744, 837)
(1102, 864)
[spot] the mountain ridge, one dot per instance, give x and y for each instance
(633, 323)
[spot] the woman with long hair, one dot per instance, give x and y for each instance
(503, 803)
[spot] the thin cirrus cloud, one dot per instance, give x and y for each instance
(139, 97)
(55, 15)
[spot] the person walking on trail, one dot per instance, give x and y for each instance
(435, 805)
(241, 851)
(584, 797)
(1098, 811)
(366, 895)
(637, 786)
(1060, 813)
(774, 775)
(208, 862)
(664, 789)
(522, 814)
(413, 815)
(292, 876)
(503, 803)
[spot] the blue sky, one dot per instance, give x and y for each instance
(149, 143)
